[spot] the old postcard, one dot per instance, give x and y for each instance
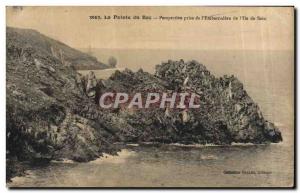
(150, 97)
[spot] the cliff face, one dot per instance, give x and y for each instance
(45, 103)
(227, 114)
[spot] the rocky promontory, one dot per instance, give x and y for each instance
(227, 113)
(52, 111)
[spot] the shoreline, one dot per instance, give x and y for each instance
(193, 145)
(124, 152)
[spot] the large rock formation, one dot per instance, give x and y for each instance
(227, 114)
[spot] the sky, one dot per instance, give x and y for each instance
(72, 26)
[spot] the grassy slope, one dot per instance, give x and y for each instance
(59, 50)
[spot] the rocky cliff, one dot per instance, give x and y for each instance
(43, 95)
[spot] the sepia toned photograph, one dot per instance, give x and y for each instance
(150, 97)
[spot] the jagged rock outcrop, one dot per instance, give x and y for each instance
(227, 113)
